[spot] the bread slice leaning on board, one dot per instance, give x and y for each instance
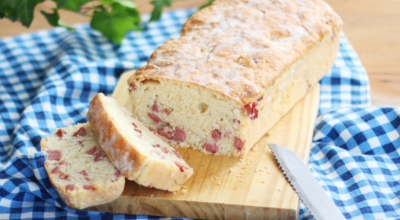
(238, 67)
(79, 169)
(140, 154)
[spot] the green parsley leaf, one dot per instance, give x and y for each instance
(54, 19)
(130, 7)
(7, 5)
(158, 6)
(11, 8)
(206, 4)
(24, 10)
(8, 13)
(126, 3)
(71, 5)
(60, 3)
(12, 18)
(115, 24)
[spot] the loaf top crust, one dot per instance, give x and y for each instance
(239, 47)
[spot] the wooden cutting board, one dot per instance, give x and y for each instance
(227, 188)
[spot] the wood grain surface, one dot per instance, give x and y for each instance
(372, 26)
(225, 187)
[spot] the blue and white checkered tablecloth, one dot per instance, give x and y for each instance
(48, 79)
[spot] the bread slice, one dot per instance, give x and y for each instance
(236, 69)
(140, 154)
(79, 169)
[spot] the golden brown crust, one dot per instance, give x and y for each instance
(125, 156)
(238, 48)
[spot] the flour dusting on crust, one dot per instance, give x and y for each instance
(238, 48)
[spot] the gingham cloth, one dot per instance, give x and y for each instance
(48, 79)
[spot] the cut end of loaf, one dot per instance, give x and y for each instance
(79, 169)
(187, 115)
(140, 154)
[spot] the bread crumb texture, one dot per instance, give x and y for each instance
(79, 168)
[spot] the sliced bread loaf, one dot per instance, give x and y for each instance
(236, 69)
(79, 169)
(140, 154)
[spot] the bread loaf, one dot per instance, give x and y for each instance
(140, 154)
(79, 169)
(237, 68)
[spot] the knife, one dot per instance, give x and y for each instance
(304, 183)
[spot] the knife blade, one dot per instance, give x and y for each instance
(305, 185)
